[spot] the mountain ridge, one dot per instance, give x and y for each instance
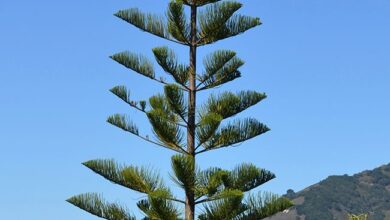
(339, 195)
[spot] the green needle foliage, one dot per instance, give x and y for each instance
(179, 124)
(94, 204)
(167, 59)
(137, 63)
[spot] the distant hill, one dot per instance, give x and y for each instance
(336, 196)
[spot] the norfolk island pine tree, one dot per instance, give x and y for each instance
(180, 125)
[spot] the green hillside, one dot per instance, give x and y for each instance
(335, 197)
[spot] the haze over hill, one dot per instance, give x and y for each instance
(336, 196)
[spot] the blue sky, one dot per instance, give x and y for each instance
(324, 65)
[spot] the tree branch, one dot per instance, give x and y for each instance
(207, 87)
(179, 150)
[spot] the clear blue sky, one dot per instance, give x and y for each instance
(325, 66)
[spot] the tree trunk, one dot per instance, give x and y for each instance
(190, 195)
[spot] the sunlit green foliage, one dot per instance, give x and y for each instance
(179, 124)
